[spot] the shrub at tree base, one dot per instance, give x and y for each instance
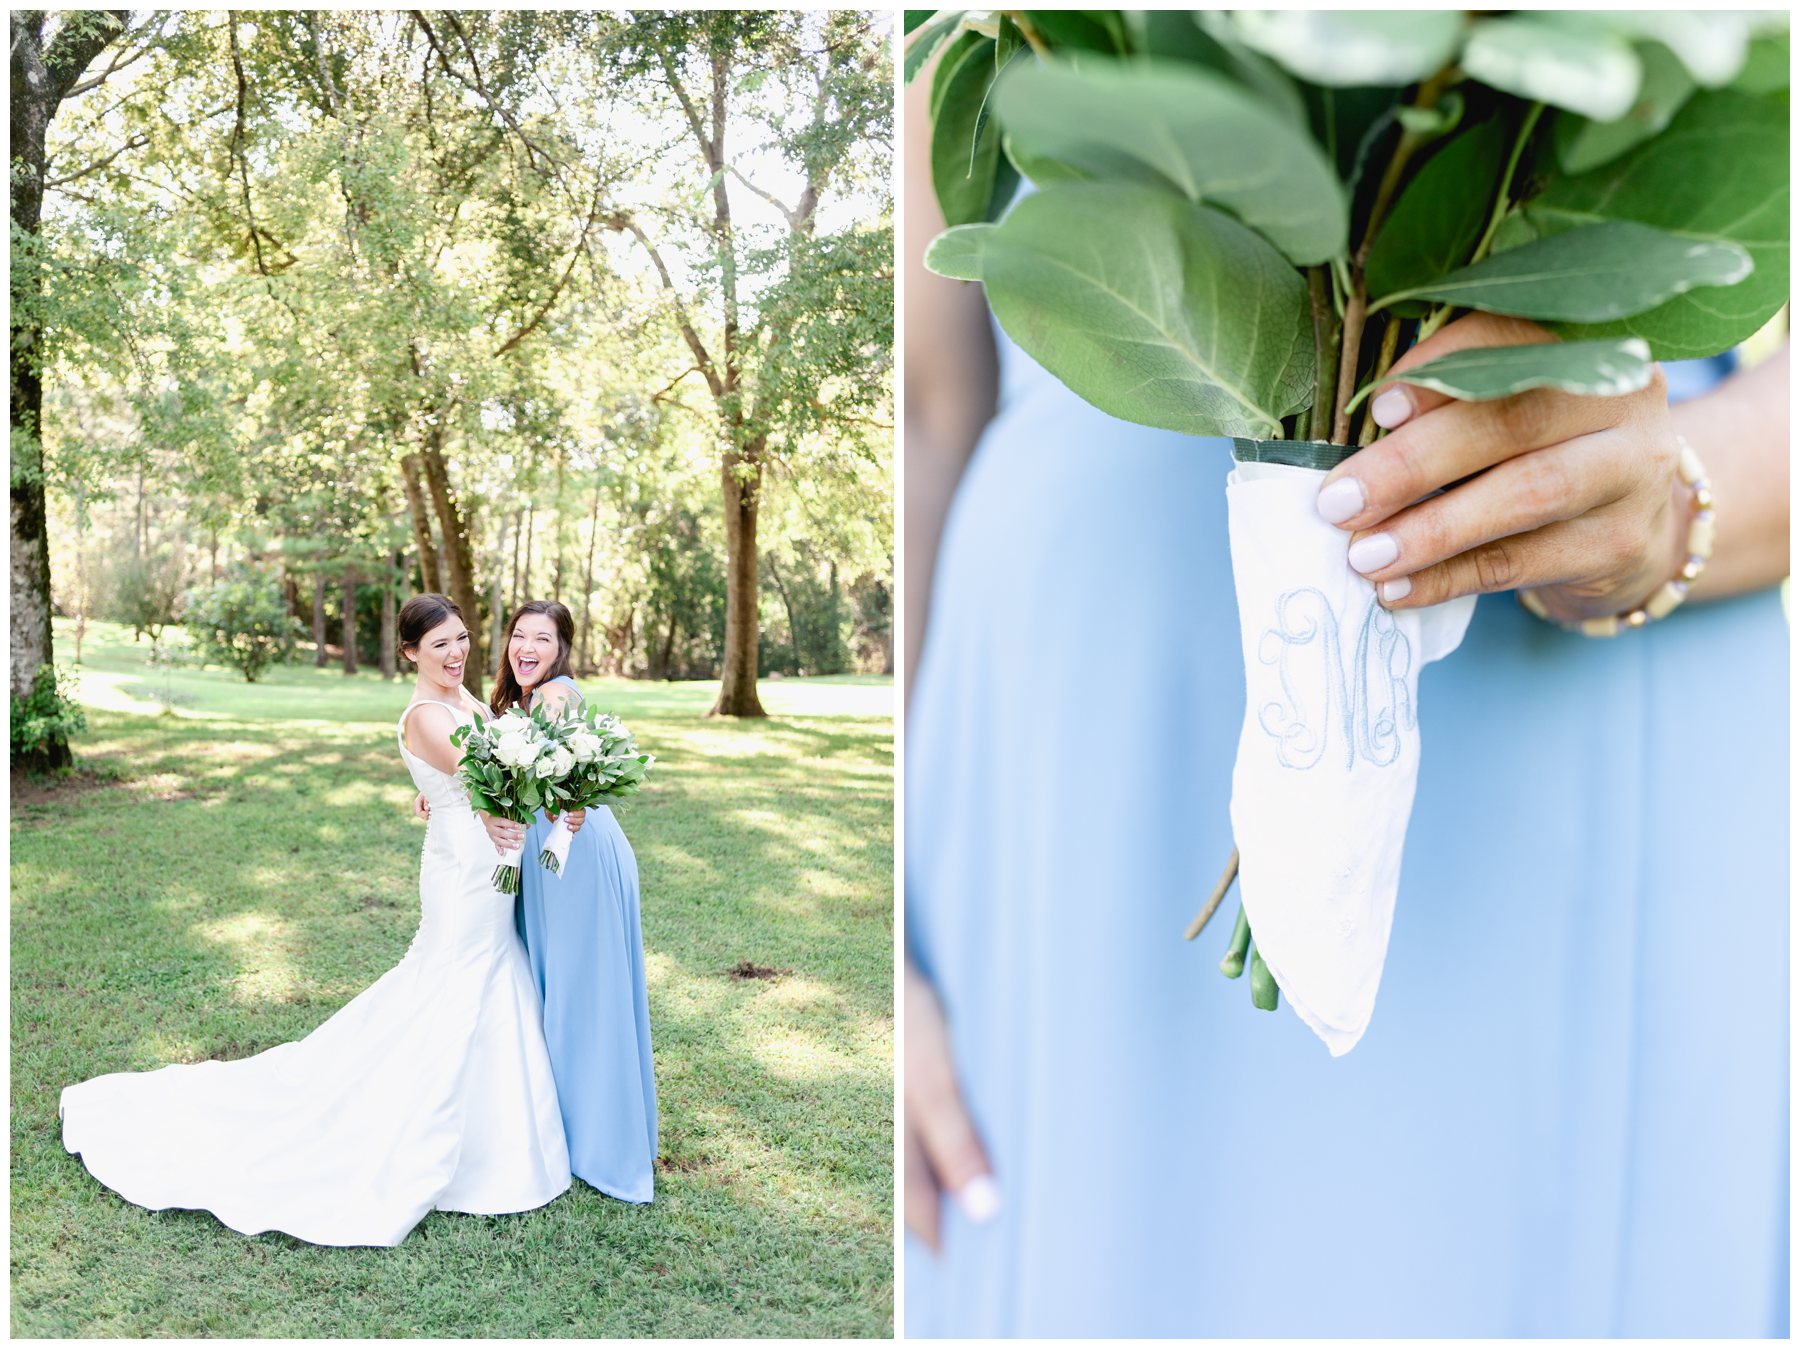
(49, 717)
(242, 621)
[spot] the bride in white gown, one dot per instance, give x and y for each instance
(430, 1090)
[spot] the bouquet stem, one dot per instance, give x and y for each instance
(506, 875)
(1217, 896)
(1233, 964)
(556, 846)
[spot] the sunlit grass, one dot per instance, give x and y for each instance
(242, 865)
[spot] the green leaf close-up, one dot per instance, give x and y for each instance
(1600, 272)
(1186, 128)
(1606, 368)
(957, 251)
(1346, 48)
(1153, 308)
(1583, 144)
(1591, 72)
(971, 178)
(1438, 219)
(923, 47)
(1717, 174)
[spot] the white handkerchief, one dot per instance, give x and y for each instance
(1329, 752)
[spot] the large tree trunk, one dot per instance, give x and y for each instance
(41, 76)
(459, 564)
(429, 572)
(390, 665)
(737, 681)
(349, 620)
(320, 659)
(525, 576)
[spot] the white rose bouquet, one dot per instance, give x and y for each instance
(595, 760)
(506, 766)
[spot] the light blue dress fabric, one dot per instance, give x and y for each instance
(586, 949)
(1570, 1113)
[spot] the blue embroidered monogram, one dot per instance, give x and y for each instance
(1370, 699)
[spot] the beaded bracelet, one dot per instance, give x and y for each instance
(1674, 591)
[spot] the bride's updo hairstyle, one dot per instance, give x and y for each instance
(507, 692)
(420, 615)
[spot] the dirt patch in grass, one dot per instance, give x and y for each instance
(745, 969)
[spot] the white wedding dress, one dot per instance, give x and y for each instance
(430, 1090)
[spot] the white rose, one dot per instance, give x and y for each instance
(586, 745)
(546, 766)
(564, 759)
(515, 750)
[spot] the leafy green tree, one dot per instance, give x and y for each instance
(242, 621)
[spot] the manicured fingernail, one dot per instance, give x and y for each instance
(1340, 500)
(1390, 408)
(980, 1199)
(1374, 552)
(1397, 589)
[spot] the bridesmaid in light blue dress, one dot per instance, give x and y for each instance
(585, 947)
(1570, 1113)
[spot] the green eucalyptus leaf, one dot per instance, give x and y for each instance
(957, 252)
(1168, 33)
(1351, 48)
(1007, 43)
(921, 48)
(947, 66)
(1590, 275)
(1037, 168)
(1711, 45)
(1605, 367)
(987, 102)
(964, 164)
(1152, 308)
(1097, 30)
(1766, 65)
(1436, 222)
(1590, 72)
(1230, 56)
(1181, 126)
(1583, 144)
(1717, 174)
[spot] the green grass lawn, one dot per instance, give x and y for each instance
(236, 862)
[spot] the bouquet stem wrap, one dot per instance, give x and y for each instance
(506, 875)
(1328, 756)
(555, 855)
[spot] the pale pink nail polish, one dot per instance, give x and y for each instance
(1390, 408)
(1341, 501)
(1397, 589)
(1374, 552)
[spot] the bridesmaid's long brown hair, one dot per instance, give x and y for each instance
(507, 692)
